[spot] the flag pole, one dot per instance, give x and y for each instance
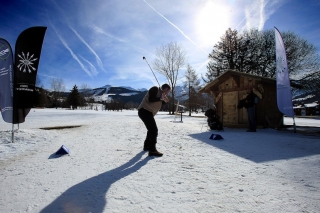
(12, 135)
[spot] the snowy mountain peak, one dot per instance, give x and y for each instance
(142, 89)
(128, 88)
(106, 86)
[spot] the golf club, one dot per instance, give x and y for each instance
(144, 58)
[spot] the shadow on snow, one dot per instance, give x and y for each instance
(264, 145)
(90, 195)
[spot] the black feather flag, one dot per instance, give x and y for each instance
(27, 57)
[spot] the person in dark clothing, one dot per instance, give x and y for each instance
(213, 119)
(250, 102)
(148, 108)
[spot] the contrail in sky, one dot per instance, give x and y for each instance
(203, 64)
(93, 52)
(49, 76)
(93, 69)
(101, 31)
(72, 53)
(262, 15)
(258, 12)
(174, 26)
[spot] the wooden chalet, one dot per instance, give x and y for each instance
(231, 86)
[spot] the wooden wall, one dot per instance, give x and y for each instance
(233, 89)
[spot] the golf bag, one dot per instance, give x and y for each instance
(213, 120)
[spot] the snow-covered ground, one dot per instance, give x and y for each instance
(107, 171)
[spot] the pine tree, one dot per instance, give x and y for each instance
(192, 84)
(74, 98)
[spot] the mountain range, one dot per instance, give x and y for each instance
(124, 93)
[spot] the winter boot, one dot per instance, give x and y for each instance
(153, 151)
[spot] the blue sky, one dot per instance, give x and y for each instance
(100, 42)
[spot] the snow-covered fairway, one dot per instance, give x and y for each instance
(107, 171)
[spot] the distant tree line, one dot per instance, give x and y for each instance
(75, 99)
(58, 98)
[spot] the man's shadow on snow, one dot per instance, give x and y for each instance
(257, 146)
(90, 195)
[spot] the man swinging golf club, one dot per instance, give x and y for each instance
(149, 107)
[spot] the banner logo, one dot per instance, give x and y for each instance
(281, 67)
(26, 63)
(4, 51)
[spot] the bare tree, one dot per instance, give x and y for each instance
(84, 89)
(308, 84)
(85, 93)
(192, 84)
(57, 87)
(303, 59)
(170, 58)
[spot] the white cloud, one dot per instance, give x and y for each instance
(257, 12)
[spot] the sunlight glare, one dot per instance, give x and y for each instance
(212, 22)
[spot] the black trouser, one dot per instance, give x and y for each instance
(148, 120)
(252, 118)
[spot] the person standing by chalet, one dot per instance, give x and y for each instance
(148, 108)
(250, 102)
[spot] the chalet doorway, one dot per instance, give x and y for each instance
(230, 112)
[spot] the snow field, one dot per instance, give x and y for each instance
(107, 171)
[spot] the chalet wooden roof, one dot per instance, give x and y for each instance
(231, 73)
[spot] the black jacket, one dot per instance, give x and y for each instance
(154, 94)
(250, 100)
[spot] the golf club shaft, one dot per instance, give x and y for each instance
(152, 70)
